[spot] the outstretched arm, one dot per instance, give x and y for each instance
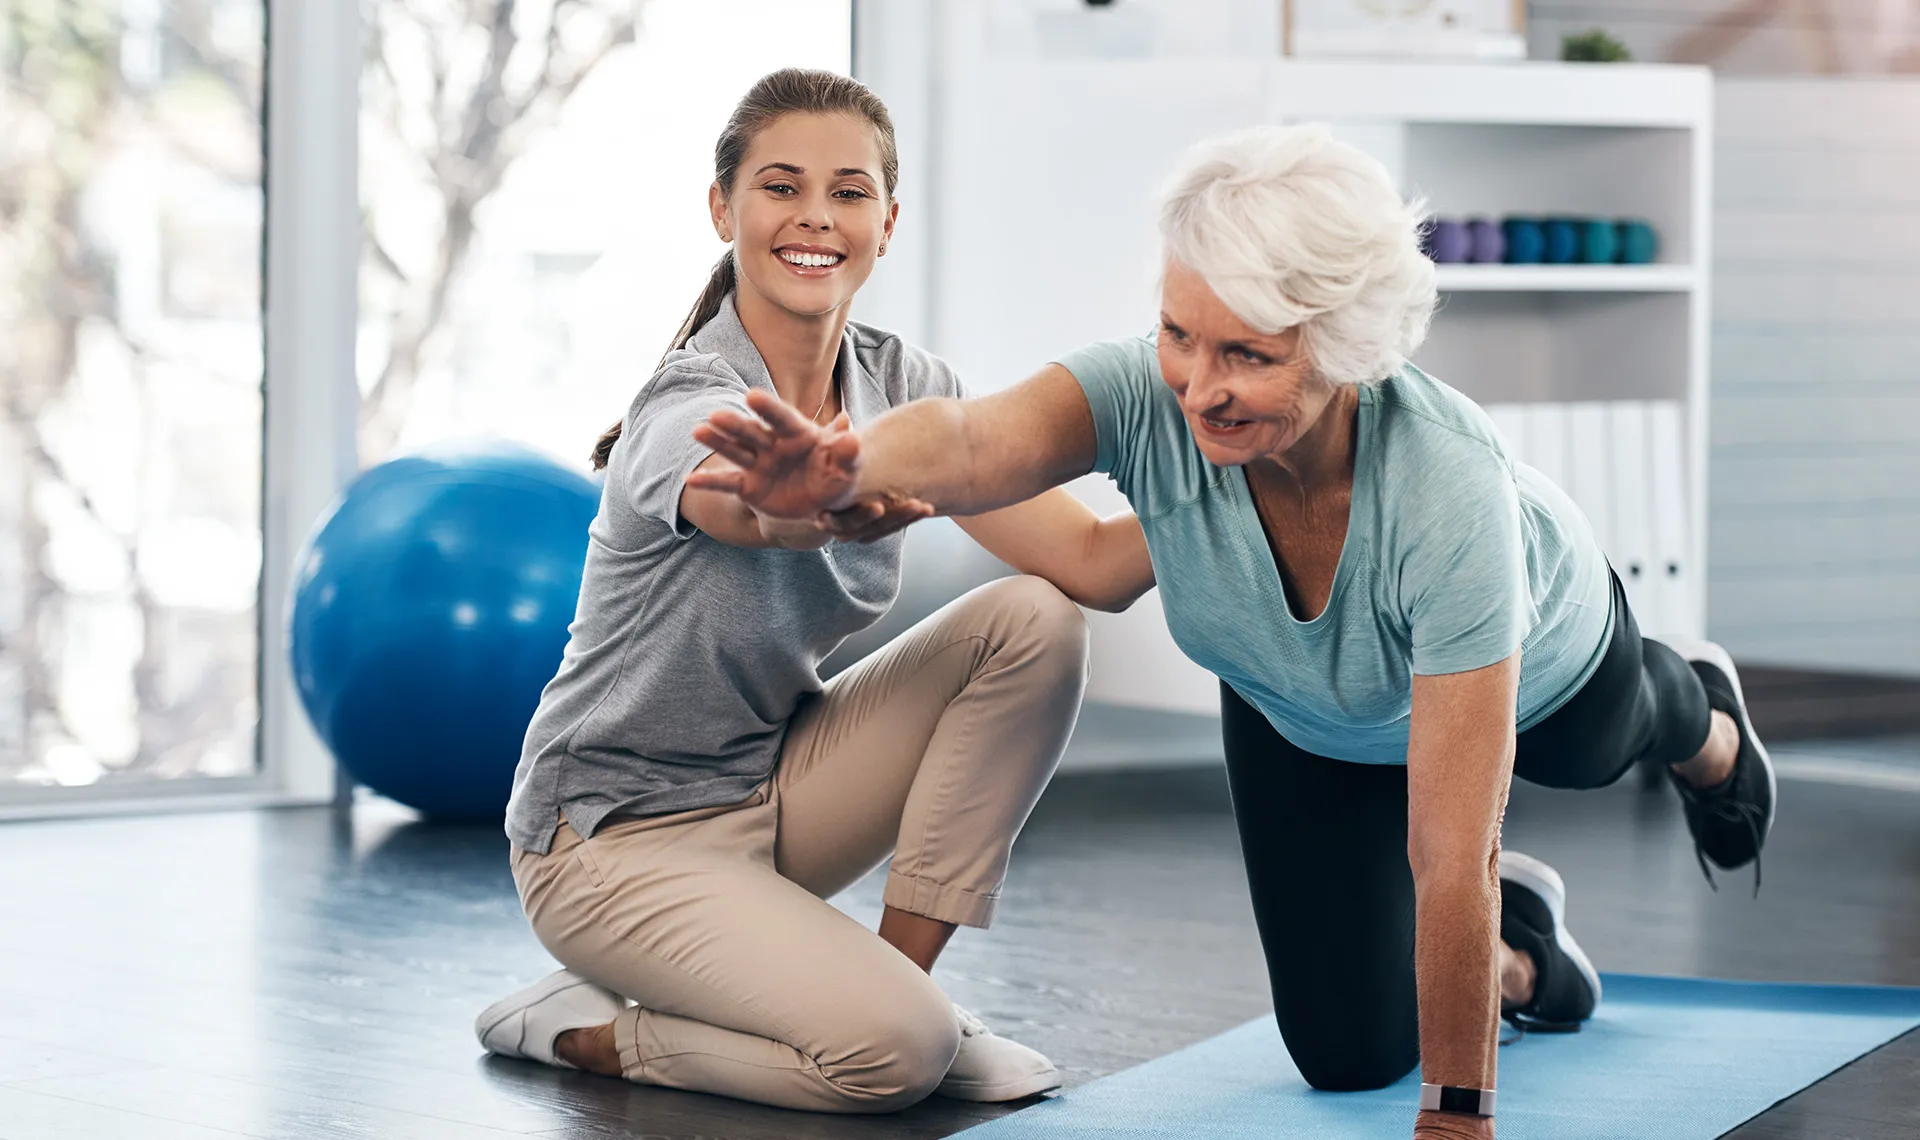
(730, 520)
(1459, 763)
(994, 463)
(962, 457)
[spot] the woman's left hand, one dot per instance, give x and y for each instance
(1452, 1126)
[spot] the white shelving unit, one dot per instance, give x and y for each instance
(1037, 200)
(1567, 279)
(1598, 373)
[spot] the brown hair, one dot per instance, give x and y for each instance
(791, 90)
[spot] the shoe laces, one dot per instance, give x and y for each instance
(1730, 810)
(970, 1026)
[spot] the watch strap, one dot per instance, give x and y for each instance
(1449, 1098)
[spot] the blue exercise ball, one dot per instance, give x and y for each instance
(429, 609)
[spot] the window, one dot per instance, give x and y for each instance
(525, 270)
(130, 429)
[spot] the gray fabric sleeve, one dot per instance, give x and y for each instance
(657, 451)
(942, 380)
(909, 372)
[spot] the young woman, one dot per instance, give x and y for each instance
(1401, 616)
(690, 792)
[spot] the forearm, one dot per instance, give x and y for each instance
(1456, 962)
(757, 532)
(724, 518)
(1100, 563)
(1459, 763)
(936, 451)
(1106, 568)
(786, 534)
(1117, 568)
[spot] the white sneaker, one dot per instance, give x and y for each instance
(527, 1024)
(994, 1069)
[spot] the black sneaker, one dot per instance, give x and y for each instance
(1729, 822)
(1533, 921)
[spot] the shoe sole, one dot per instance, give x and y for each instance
(1005, 1091)
(1714, 655)
(495, 1015)
(1546, 882)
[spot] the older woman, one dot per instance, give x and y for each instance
(1402, 617)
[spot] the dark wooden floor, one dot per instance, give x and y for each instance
(1802, 704)
(296, 975)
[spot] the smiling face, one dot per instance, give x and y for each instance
(808, 212)
(1247, 395)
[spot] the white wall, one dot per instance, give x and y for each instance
(1814, 500)
(1815, 476)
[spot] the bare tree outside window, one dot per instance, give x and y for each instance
(534, 177)
(130, 222)
(533, 191)
(455, 91)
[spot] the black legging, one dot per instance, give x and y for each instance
(1326, 849)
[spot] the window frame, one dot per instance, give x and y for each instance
(309, 398)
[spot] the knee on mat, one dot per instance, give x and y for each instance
(903, 1052)
(1353, 1069)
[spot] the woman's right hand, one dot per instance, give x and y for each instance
(874, 517)
(784, 465)
(870, 519)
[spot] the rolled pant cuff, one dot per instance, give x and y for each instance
(626, 1039)
(939, 901)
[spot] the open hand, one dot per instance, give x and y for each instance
(784, 465)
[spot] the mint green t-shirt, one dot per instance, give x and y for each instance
(1455, 556)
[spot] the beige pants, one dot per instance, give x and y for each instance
(748, 983)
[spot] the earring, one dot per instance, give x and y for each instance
(883, 249)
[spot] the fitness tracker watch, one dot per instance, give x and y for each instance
(1447, 1098)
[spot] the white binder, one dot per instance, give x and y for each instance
(1671, 492)
(1589, 470)
(1510, 420)
(1634, 558)
(1546, 441)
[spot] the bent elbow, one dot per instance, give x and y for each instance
(1107, 600)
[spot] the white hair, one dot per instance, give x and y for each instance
(1291, 227)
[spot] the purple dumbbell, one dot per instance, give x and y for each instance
(1449, 243)
(1487, 243)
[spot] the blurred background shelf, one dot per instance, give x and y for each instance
(1568, 278)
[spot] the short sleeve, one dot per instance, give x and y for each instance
(941, 381)
(657, 451)
(1463, 564)
(1121, 380)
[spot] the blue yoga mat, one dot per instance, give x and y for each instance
(1663, 1059)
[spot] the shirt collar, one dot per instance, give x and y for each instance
(724, 336)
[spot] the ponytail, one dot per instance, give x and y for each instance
(719, 284)
(789, 90)
(705, 309)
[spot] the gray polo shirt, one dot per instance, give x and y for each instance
(687, 657)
